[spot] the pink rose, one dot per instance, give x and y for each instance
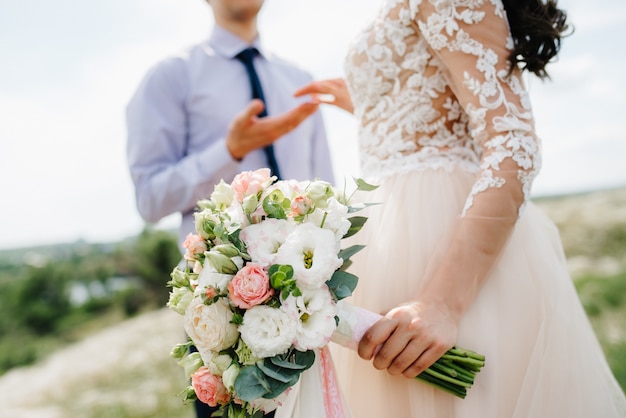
(195, 245)
(301, 205)
(248, 183)
(210, 292)
(209, 388)
(250, 286)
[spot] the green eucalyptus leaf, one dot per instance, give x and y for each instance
(356, 223)
(277, 373)
(360, 206)
(274, 205)
(346, 253)
(363, 185)
(251, 383)
(278, 387)
(294, 359)
(342, 284)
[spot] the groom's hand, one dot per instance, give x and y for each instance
(248, 132)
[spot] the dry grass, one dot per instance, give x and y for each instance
(123, 371)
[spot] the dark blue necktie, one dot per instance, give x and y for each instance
(247, 57)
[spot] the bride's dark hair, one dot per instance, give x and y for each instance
(537, 28)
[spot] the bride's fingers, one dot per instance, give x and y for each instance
(424, 361)
(314, 87)
(378, 333)
(391, 350)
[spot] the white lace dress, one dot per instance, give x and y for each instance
(450, 137)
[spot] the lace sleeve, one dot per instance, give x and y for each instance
(471, 39)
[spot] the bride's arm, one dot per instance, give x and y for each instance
(472, 44)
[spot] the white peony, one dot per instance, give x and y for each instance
(264, 239)
(267, 331)
(315, 313)
(312, 252)
(210, 326)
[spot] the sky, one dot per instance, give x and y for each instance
(70, 67)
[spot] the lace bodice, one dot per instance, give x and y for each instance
(430, 85)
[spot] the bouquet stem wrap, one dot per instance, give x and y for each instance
(454, 372)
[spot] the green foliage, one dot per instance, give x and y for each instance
(155, 253)
(41, 298)
(604, 299)
(272, 376)
(599, 294)
(39, 307)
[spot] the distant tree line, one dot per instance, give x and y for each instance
(52, 302)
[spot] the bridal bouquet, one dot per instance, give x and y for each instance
(259, 289)
(262, 289)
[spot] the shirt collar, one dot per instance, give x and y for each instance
(228, 44)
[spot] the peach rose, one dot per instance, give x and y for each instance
(209, 388)
(248, 183)
(301, 205)
(195, 245)
(250, 286)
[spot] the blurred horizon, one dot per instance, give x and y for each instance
(72, 67)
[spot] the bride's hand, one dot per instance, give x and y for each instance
(331, 91)
(409, 339)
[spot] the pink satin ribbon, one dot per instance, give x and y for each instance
(333, 404)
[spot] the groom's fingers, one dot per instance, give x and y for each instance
(273, 127)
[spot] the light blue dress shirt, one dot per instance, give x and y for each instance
(179, 116)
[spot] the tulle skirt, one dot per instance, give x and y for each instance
(542, 357)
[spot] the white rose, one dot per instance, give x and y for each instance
(312, 252)
(230, 375)
(319, 192)
(209, 326)
(204, 221)
(264, 239)
(219, 363)
(267, 331)
(314, 312)
(209, 277)
(223, 194)
(180, 297)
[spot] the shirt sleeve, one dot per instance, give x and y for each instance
(471, 41)
(167, 179)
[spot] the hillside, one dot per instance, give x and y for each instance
(125, 370)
